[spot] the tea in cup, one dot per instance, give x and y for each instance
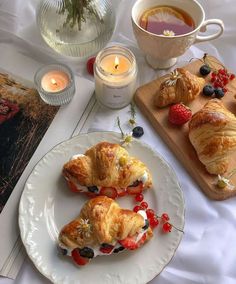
(165, 29)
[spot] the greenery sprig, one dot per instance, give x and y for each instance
(136, 132)
(126, 137)
(76, 12)
(132, 120)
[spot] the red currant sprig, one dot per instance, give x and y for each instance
(221, 78)
(154, 219)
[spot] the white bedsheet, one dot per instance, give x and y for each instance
(207, 253)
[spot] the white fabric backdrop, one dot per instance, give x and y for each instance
(207, 253)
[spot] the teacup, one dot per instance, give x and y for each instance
(162, 51)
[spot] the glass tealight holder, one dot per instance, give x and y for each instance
(55, 84)
(115, 73)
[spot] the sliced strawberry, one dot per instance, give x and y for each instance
(73, 187)
(78, 259)
(121, 192)
(142, 240)
(90, 194)
(106, 248)
(131, 244)
(109, 192)
(135, 189)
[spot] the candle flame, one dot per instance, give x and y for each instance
(53, 81)
(117, 62)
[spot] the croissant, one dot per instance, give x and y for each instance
(103, 228)
(180, 86)
(107, 169)
(212, 132)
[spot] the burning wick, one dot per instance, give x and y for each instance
(53, 81)
(116, 62)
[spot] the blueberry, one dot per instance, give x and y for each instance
(145, 227)
(219, 93)
(208, 90)
(121, 248)
(205, 70)
(118, 249)
(62, 251)
(136, 183)
(106, 246)
(93, 189)
(137, 131)
(86, 252)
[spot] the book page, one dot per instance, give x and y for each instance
(60, 125)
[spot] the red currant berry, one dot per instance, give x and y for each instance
(167, 227)
(222, 71)
(165, 217)
(139, 197)
(225, 90)
(226, 81)
(144, 205)
(232, 76)
(150, 213)
(154, 222)
(213, 79)
(213, 74)
(137, 208)
(90, 64)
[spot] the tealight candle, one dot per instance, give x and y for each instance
(55, 84)
(115, 73)
(55, 81)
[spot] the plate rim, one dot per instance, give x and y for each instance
(142, 143)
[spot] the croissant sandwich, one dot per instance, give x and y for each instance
(212, 132)
(106, 169)
(180, 86)
(103, 228)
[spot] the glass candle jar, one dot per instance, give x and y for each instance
(55, 84)
(115, 73)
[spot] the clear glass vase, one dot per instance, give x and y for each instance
(73, 29)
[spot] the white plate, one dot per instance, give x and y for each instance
(47, 205)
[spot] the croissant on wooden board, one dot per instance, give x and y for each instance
(103, 228)
(180, 86)
(212, 132)
(107, 169)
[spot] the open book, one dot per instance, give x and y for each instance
(29, 128)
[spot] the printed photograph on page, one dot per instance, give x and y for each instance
(24, 119)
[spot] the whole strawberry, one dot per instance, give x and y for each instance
(179, 114)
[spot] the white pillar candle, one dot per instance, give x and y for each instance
(115, 73)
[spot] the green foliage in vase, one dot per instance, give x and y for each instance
(77, 10)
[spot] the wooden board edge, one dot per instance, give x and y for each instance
(204, 186)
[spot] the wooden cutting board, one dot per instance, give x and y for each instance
(177, 137)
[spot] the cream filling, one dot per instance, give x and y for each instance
(96, 249)
(83, 188)
(77, 156)
(144, 178)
